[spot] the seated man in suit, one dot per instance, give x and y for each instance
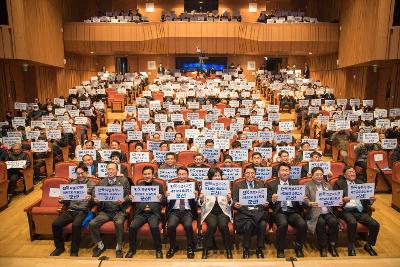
(354, 211)
(321, 220)
(75, 213)
(110, 211)
(147, 213)
(14, 154)
(286, 212)
(314, 157)
(91, 165)
(181, 211)
(250, 220)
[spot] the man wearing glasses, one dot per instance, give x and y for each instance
(75, 213)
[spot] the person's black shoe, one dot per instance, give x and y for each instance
(368, 248)
(280, 254)
(229, 254)
(298, 249)
(333, 251)
(57, 252)
(351, 252)
(159, 254)
(97, 251)
(119, 254)
(259, 253)
(171, 252)
(9, 197)
(246, 253)
(130, 253)
(205, 254)
(323, 252)
(73, 253)
(190, 253)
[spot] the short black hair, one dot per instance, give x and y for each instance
(316, 169)
(284, 164)
(182, 168)
(212, 171)
(148, 167)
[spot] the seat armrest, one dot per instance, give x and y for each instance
(34, 204)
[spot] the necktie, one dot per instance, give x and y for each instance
(251, 185)
(284, 203)
(181, 205)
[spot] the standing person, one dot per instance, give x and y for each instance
(147, 213)
(110, 211)
(321, 220)
(306, 71)
(285, 213)
(217, 213)
(354, 211)
(75, 213)
(250, 220)
(161, 69)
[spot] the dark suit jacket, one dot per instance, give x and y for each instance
(192, 204)
(244, 214)
(341, 184)
(155, 206)
(273, 189)
(114, 207)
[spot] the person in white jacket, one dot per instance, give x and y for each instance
(217, 213)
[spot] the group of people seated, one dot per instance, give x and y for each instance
(198, 16)
(284, 17)
(233, 135)
(119, 16)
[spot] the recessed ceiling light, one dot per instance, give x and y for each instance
(310, 53)
(91, 52)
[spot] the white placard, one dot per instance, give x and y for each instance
(135, 135)
(39, 146)
(239, 155)
(73, 191)
(231, 173)
(178, 147)
(181, 190)
(266, 152)
(215, 187)
(136, 157)
(114, 128)
(295, 172)
(263, 173)
(378, 157)
(329, 198)
(83, 152)
(252, 197)
(54, 134)
(325, 165)
(382, 123)
(342, 125)
(54, 192)
(15, 164)
(221, 143)
(109, 193)
(285, 126)
(81, 120)
(291, 192)
(361, 191)
(71, 172)
(148, 128)
(389, 143)
(167, 174)
(198, 173)
(370, 138)
(145, 193)
(20, 106)
(191, 133)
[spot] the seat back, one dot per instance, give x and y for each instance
(396, 172)
(120, 137)
(304, 180)
(377, 157)
(226, 121)
(181, 129)
(49, 183)
(350, 150)
(186, 157)
(62, 169)
(137, 170)
(3, 171)
(337, 169)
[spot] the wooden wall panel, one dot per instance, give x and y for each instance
(37, 25)
(394, 46)
(6, 43)
(182, 38)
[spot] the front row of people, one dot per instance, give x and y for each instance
(216, 212)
